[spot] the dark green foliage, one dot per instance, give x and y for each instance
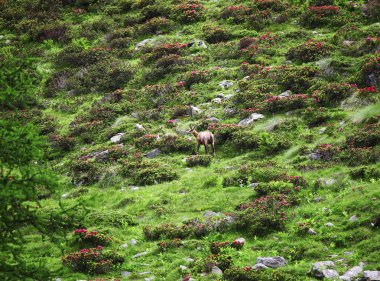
(310, 51)
(274, 187)
(198, 160)
(365, 173)
(248, 274)
(114, 218)
(244, 140)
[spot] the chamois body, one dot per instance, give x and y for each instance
(205, 138)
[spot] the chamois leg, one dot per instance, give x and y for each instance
(213, 149)
(206, 148)
(199, 145)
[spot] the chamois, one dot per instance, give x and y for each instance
(204, 138)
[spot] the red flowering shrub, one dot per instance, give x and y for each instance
(92, 260)
(195, 77)
(76, 56)
(152, 54)
(370, 71)
(171, 62)
(237, 244)
(367, 92)
(215, 34)
(355, 156)
(273, 187)
(91, 238)
(173, 143)
(365, 137)
(297, 181)
(273, 5)
(249, 69)
(62, 143)
(170, 244)
(310, 51)
(215, 247)
(223, 132)
(316, 16)
(189, 11)
(238, 13)
(302, 228)
(277, 103)
(156, 25)
(250, 47)
(295, 78)
(329, 94)
(326, 152)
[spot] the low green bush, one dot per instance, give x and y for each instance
(198, 160)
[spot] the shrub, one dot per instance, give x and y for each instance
(273, 143)
(148, 172)
(244, 140)
(274, 187)
(355, 156)
(111, 218)
(273, 5)
(223, 132)
(331, 93)
(198, 160)
(238, 13)
(216, 247)
(370, 69)
(189, 11)
(195, 77)
(365, 173)
(276, 103)
(170, 244)
(316, 16)
(84, 172)
(316, 116)
(372, 9)
(215, 34)
(312, 50)
(62, 143)
(236, 179)
(74, 56)
(365, 137)
(296, 78)
(91, 238)
(92, 260)
(155, 25)
(326, 151)
(249, 274)
(174, 143)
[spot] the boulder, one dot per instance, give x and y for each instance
(285, 94)
(143, 43)
(101, 156)
(352, 273)
(322, 269)
(217, 100)
(329, 224)
(225, 84)
(216, 270)
(196, 43)
(371, 275)
(253, 117)
(154, 153)
(116, 138)
(195, 110)
(273, 262)
(259, 266)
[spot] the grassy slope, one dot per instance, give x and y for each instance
(190, 197)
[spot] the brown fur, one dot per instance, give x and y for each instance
(205, 138)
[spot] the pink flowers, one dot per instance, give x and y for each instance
(365, 92)
(324, 10)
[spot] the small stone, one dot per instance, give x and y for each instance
(125, 274)
(152, 154)
(187, 259)
(144, 273)
(321, 269)
(195, 110)
(371, 275)
(259, 266)
(143, 43)
(273, 262)
(197, 44)
(254, 184)
(182, 267)
(213, 120)
(253, 117)
(217, 100)
(329, 273)
(123, 246)
(188, 169)
(329, 224)
(318, 199)
(149, 278)
(347, 253)
(353, 218)
(322, 130)
(311, 231)
(285, 94)
(133, 242)
(216, 270)
(140, 127)
(134, 188)
(140, 254)
(225, 84)
(64, 196)
(116, 138)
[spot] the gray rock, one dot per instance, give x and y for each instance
(125, 274)
(273, 262)
(320, 268)
(318, 199)
(253, 185)
(322, 130)
(371, 275)
(220, 95)
(125, 245)
(149, 278)
(64, 196)
(259, 266)
(140, 127)
(143, 43)
(187, 259)
(329, 224)
(134, 188)
(133, 242)
(154, 153)
(140, 254)
(229, 96)
(353, 218)
(347, 43)
(116, 138)
(253, 117)
(217, 100)
(216, 270)
(197, 44)
(135, 115)
(101, 156)
(315, 156)
(311, 231)
(195, 110)
(182, 267)
(240, 240)
(348, 253)
(285, 94)
(210, 214)
(352, 273)
(189, 170)
(213, 119)
(230, 111)
(330, 273)
(225, 84)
